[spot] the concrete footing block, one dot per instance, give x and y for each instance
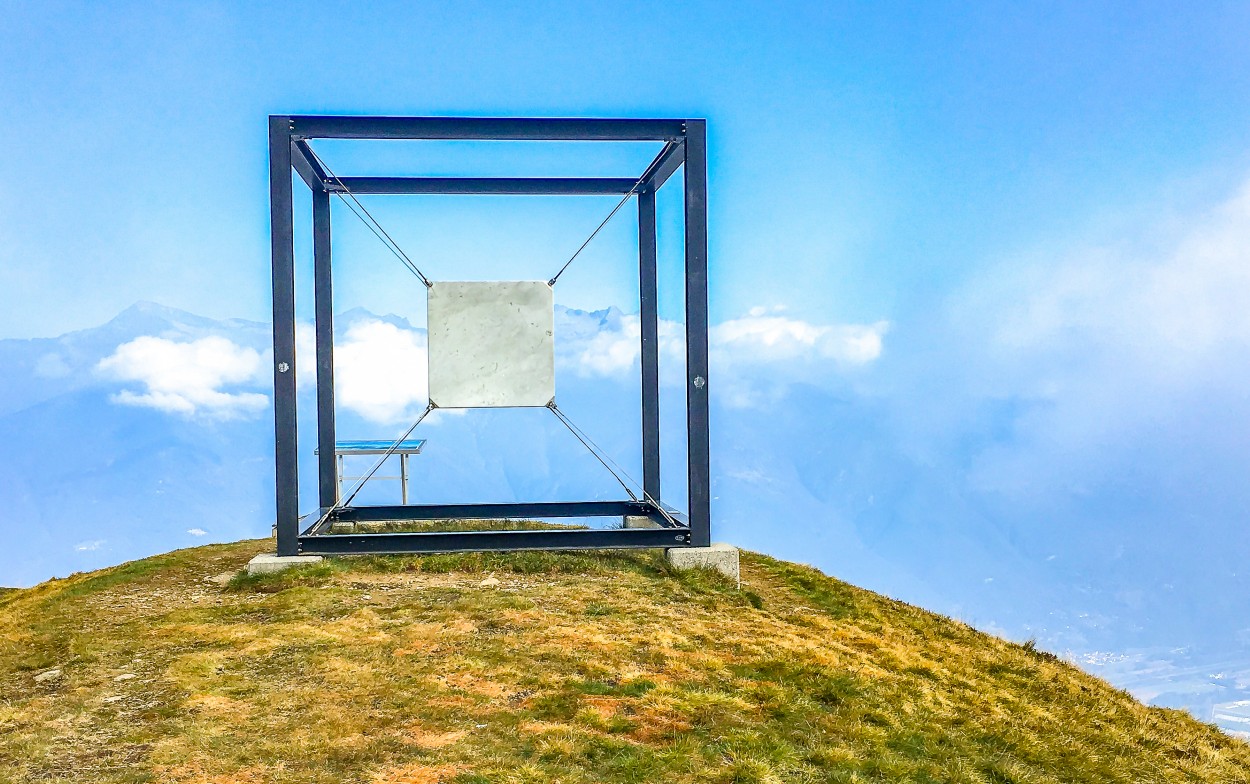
(638, 521)
(267, 564)
(720, 556)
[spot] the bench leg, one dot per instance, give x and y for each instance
(403, 478)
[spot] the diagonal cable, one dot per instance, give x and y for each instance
(372, 222)
(390, 451)
(578, 252)
(647, 175)
(647, 496)
(590, 445)
(374, 225)
(370, 226)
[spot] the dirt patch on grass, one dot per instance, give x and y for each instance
(604, 707)
(434, 740)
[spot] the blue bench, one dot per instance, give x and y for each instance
(344, 449)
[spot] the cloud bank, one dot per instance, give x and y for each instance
(380, 371)
(186, 377)
(1129, 358)
(766, 336)
(753, 358)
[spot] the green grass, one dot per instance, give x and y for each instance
(576, 667)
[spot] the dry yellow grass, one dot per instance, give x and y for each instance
(575, 668)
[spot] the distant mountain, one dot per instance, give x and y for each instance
(39, 369)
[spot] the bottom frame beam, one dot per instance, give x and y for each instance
(469, 541)
(510, 511)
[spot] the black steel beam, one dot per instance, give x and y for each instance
(282, 239)
(698, 455)
(509, 186)
(660, 169)
(306, 165)
(485, 128)
(461, 541)
(541, 509)
(648, 314)
(323, 307)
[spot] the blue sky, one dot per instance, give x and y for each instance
(980, 279)
(865, 159)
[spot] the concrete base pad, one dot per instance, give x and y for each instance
(720, 556)
(638, 521)
(267, 564)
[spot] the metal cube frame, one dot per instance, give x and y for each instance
(684, 144)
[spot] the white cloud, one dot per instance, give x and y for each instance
(186, 378)
(1167, 312)
(84, 547)
(753, 357)
(197, 531)
(758, 337)
(614, 348)
(611, 352)
(1123, 351)
(757, 357)
(380, 371)
(1166, 299)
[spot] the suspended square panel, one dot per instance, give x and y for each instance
(491, 344)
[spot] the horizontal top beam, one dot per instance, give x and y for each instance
(512, 186)
(484, 128)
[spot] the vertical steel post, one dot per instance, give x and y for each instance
(648, 313)
(403, 476)
(282, 231)
(323, 290)
(697, 424)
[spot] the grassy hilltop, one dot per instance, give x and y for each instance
(540, 667)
